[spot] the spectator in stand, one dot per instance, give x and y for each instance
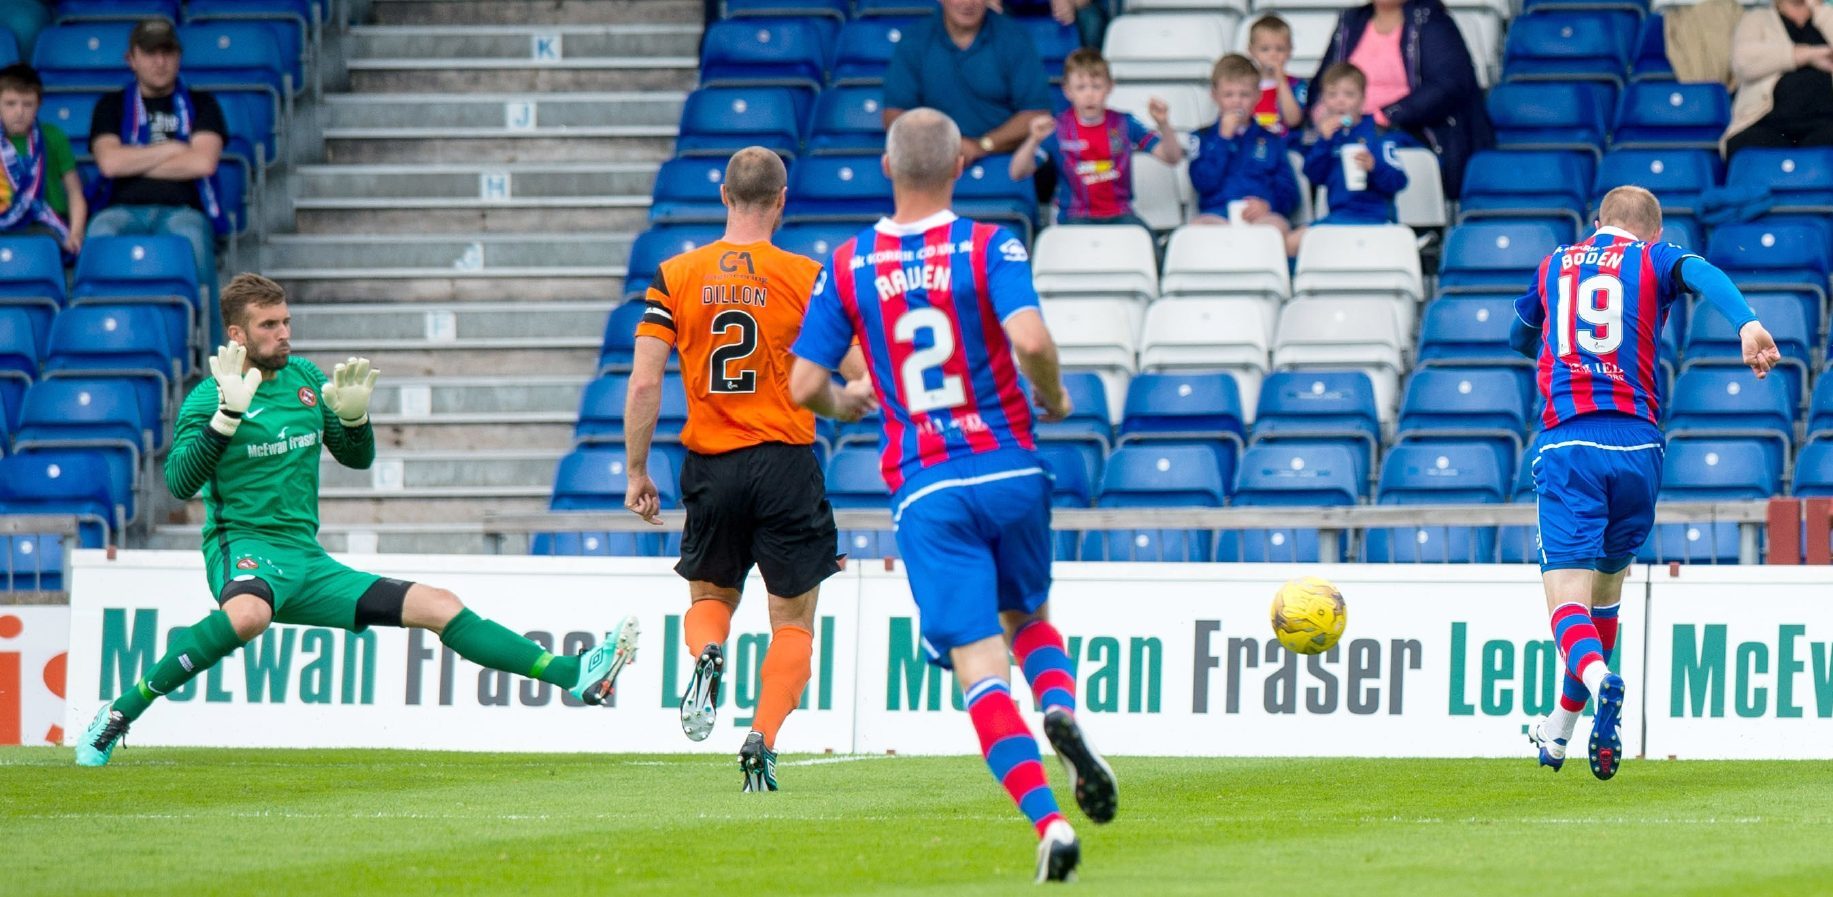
(1089, 16)
(1784, 70)
(977, 68)
(157, 144)
(1282, 96)
(1353, 156)
(1092, 146)
(1240, 170)
(25, 18)
(1420, 78)
(41, 192)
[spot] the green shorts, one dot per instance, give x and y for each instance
(308, 587)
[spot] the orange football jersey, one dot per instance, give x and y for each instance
(732, 312)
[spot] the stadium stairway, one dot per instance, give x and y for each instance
(484, 175)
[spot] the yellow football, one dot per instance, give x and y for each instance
(1308, 615)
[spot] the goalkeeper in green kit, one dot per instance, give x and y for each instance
(250, 438)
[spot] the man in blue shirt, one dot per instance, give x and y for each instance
(980, 70)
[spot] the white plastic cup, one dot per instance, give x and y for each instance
(1237, 212)
(1355, 179)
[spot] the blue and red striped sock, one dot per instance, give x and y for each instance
(1579, 644)
(1573, 693)
(1011, 751)
(1042, 655)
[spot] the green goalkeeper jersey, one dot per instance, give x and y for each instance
(263, 481)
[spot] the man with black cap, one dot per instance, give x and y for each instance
(157, 145)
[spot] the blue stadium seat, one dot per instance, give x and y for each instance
(1678, 176)
(1769, 256)
(833, 9)
(1180, 476)
(1670, 115)
(1801, 179)
(863, 432)
(848, 120)
(1731, 401)
(1551, 115)
(837, 189)
(1089, 422)
(1485, 406)
(254, 131)
(155, 270)
(238, 57)
(854, 480)
(866, 48)
(601, 411)
(32, 278)
(1650, 61)
(1321, 407)
(1570, 46)
(619, 348)
(116, 341)
(687, 191)
(1711, 341)
(659, 244)
(1428, 473)
(721, 120)
(1521, 544)
(1820, 410)
(1487, 256)
(672, 416)
(1468, 330)
(1814, 471)
(816, 240)
(72, 113)
(99, 415)
(68, 481)
(115, 10)
(1719, 470)
(1693, 543)
(1288, 474)
(1054, 42)
(1187, 408)
(1634, 7)
(35, 562)
(1519, 183)
(986, 192)
(790, 52)
(903, 8)
(291, 22)
(1071, 486)
(83, 56)
(19, 359)
(1683, 232)
(594, 479)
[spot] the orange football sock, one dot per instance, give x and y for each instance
(785, 674)
(706, 623)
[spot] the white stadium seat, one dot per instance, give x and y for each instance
(1305, 213)
(1422, 203)
(1181, 47)
(1360, 260)
(1312, 24)
(1235, 9)
(1191, 106)
(1099, 335)
(1482, 31)
(1219, 260)
(1161, 193)
(1231, 335)
(1096, 260)
(1342, 334)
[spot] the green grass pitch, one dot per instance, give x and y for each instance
(323, 822)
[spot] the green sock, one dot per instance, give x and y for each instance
(491, 644)
(190, 652)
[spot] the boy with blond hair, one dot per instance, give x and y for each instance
(1239, 163)
(1282, 96)
(1092, 146)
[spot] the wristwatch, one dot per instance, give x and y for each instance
(986, 144)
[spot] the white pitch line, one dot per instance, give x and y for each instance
(839, 758)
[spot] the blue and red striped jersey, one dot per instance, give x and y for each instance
(1601, 304)
(927, 302)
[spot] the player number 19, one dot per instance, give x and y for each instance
(918, 397)
(1597, 302)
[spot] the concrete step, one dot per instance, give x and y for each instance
(362, 147)
(587, 255)
(460, 359)
(553, 432)
(463, 59)
(411, 474)
(517, 12)
(333, 285)
(405, 323)
(425, 507)
(513, 114)
(420, 399)
(472, 198)
(433, 216)
(384, 538)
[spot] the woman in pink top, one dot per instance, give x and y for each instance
(1420, 78)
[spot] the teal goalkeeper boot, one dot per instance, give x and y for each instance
(598, 669)
(99, 740)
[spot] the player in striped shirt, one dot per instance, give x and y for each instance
(940, 305)
(1592, 322)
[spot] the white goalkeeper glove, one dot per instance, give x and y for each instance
(235, 387)
(348, 393)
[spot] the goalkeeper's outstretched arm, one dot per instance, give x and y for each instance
(348, 435)
(210, 416)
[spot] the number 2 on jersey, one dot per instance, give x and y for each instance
(722, 379)
(1598, 303)
(918, 398)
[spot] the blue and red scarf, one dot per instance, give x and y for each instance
(137, 130)
(25, 181)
